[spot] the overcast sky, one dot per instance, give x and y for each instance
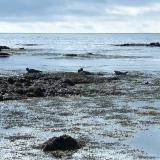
(80, 16)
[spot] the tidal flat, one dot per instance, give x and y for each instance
(117, 119)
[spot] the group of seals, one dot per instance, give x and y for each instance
(117, 73)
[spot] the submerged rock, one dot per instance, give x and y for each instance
(22, 48)
(4, 54)
(154, 44)
(71, 55)
(90, 54)
(63, 143)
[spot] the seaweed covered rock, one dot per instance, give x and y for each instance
(53, 84)
(152, 44)
(63, 143)
(4, 54)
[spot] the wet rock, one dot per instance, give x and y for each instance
(11, 80)
(1, 98)
(21, 48)
(20, 91)
(52, 84)
(152, 44)
(4, 54)
(118, 73)
(71, 55)
(113, 78)
(29, 44)
(69, 82)
(4, 47)
(18, 84)
(90, 54)
(35, 92)
(63, 143)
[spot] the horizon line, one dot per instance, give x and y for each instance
(78, 33)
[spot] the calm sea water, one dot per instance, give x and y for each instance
(48, 50)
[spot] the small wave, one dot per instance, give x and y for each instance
(29, 44)
(92, 55)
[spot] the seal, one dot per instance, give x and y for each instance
(33, 70)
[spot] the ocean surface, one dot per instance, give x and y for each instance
(26, 123)
(47, 52)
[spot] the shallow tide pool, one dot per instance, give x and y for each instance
(111, 128)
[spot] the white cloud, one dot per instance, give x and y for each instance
(133, 11)
(79, 26)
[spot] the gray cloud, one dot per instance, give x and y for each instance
(26, 10)
(85, 14)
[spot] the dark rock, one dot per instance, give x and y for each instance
(35, 92)
(21, 91)
(69, 82)
(39, 92)
(63, 143)
(33, 70)
(71, 55)
(22, 80)
(4, 47)
(1, 98)
(11, 80)
(152, 44)
(118, 73)
(18, 84)
(29, 44)
(113, 78)
(51, 84)
(4, 54)
(21, 48)
(90, 54)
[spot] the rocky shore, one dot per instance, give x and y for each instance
(54, 84)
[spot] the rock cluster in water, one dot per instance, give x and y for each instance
(152, 44)
(4, 53)
(62, 143)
